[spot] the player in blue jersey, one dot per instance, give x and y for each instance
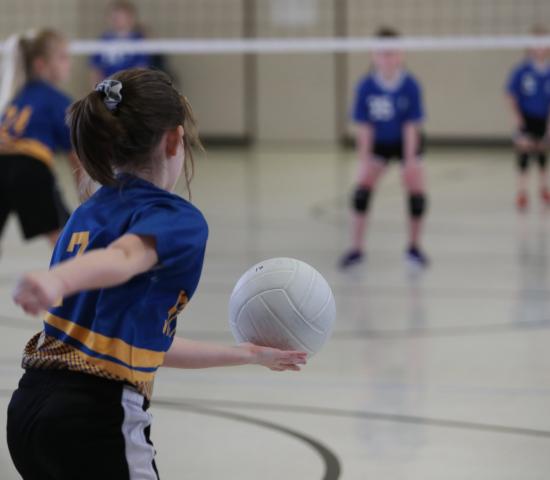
(127, 262)
(123, 25)
(32, 129)
(388, 111)
(528, 92)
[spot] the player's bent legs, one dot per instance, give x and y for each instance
(524, 148)
(415, 185)
(370, 172)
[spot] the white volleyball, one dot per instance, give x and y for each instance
(282, 303)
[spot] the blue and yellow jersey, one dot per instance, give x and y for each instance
(33, 123)
(530, 86)
(388, 107)
(123, 332)
(109, 63)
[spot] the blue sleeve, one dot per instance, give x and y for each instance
(415, 110)
(513, 84)
(62, 134)
(360, 112)
(180, 234)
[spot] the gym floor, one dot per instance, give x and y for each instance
(443, 375)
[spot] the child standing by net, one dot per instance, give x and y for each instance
(122, 17)
(388, 111)
(127, 263)
(32, 129)
(528, 91)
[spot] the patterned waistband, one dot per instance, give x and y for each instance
(43, 352)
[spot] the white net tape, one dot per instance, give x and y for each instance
(307, 45)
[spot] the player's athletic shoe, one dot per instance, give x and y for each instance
(545, 196)
(417, 257)
(522, 201)
(351, 258)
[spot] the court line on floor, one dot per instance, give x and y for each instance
(358, 289)
(365, 415)
(413, 287)
(331, 462)
(415, 332)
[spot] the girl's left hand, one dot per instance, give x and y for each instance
(38, 291)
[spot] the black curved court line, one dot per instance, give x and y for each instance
(365, 415)
(20, 323)
(331, 462)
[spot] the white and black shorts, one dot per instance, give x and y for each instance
(64, 425)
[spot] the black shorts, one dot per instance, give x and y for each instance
(389, 151)
(28, 188)
(64, 425)
(534, 127)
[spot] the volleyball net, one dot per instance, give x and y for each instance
(286, 69)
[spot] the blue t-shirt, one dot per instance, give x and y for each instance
(530, 86)
(126, 330)
(34, 122)
(388, 108)
(110, 63)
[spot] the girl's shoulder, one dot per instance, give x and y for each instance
(46, 92)
(366, 82)
(410, 80)
(133, 197)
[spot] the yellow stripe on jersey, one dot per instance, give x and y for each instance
(125, 373)
(30, 147)
(114, 347)
(22, 120)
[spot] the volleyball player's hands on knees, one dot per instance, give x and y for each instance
(38, 291)
(275, 359)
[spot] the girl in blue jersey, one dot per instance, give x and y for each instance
(528, 92)
(388, 111)
(32, 129)
(127, 262)
(122, 17)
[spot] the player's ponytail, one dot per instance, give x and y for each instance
(118, 126)
(13, 68)
(20, 52)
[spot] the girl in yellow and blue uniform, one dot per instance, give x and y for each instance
(32, 130)
(126, 264)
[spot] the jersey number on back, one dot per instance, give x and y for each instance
(15, 122)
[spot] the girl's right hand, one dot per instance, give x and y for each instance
(275, 359)
(38, 291)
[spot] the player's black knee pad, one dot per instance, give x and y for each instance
(523, 161)
(361, 199)
(417, 205)
(542, 159)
